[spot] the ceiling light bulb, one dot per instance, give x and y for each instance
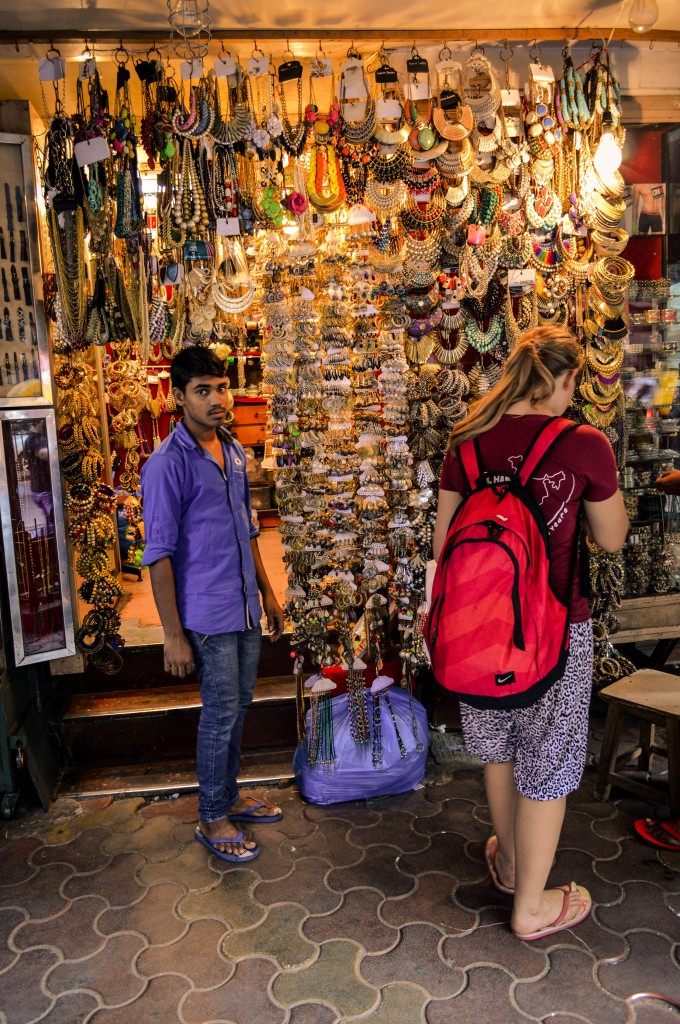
(643, 15)
(608, 155)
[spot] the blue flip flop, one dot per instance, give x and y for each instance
(212, 844)
(249, 814)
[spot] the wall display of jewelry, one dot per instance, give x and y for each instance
(35, 555)
(650, 371)
(381, 263)
(24, 378)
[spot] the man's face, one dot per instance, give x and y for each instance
(205, 402)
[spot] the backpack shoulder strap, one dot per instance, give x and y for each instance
(470, 460)
(543, 443)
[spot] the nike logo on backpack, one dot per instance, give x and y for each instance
(503, 680)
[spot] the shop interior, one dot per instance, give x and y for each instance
(361, 225)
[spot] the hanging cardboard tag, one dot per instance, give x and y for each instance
(521, 281)
(448, 69)
(352, 84)
(541, 73)
(321, 67)
(91, 151)
(87, 68)
(386, 75)
(388, 110)
(122, 77)
(191, 68)
(417, 65)
(258, 66)
(224, 66)
(510, 97)
(417, 90)
(227, 226)
(51, 69)
(352, 66)
(290, 71)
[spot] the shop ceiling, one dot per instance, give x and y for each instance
(28, 29)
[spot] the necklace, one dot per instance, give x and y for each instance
(383, 197)
(447, 355)
(484, 341)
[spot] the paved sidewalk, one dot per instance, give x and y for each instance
(111, 913)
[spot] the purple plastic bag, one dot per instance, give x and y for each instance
(354, 776)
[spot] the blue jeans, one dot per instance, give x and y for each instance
(226, 665)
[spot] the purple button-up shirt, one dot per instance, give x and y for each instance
(199, 517)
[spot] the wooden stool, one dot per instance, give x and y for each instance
(653, 698)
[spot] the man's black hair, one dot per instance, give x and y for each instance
(195, 362)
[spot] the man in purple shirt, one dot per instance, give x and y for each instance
(206, 571)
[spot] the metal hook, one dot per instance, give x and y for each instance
(535, 52)
(651, 44)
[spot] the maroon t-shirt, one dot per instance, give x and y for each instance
(580, 467)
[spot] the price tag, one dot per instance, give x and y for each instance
(521, 281)
(225, 66)
(322, 67)
(91, 151)
(87, 68)
(258, 66)
(227, 226)
(191, 68)
(51, 69)
(417, 90)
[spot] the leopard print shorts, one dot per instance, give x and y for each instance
(547, 741)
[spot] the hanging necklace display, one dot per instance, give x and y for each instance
(293, 138)
(232, 289)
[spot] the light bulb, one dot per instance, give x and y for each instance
(643, 15)
(608, 155)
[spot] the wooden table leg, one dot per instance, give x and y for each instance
(610, 746)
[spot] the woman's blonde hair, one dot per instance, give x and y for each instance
(541, 355)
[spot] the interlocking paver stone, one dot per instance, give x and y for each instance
(577, 834)
(72, 932)
(278, 936)
(83, 853)
(244, 999)
(400, 1002)
(107, 972)
(415, 958)
(356, 918)
(118, 816)
(651, 966)
(330, 839)
(41, 895)
(312, 1013)
(116, 881)
(649, 1010)
(454, 816)
(377, 869)
(70, 1008)
(431, 903)
(487, 997)
(333, 978)
(493, 944)
(10, 917)
(21, 995)
(15, 857)
(194, 868)
(305, 882)
(446, 852)
(643, 906)
(183, 807)
(157, 1004)
(639, 861)
(232, 901)
(153, 916)
(195, 955)
(569, 986)
(154, 840)
(394, 827)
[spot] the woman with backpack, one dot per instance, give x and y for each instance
(517, 481)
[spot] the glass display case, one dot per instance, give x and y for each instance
(32, 517)
(24, 366)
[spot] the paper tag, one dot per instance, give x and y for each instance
(541, 73)
(91, 151)
(87, 68)
(423, 197)
(510, 97)
(353, 66)
(258, 66)
(577, 140)
(191, 68)
(512, 126)
(417, 90)
(227, 226)
(446, 68)
(520, 281)
(388, 110)
(225, 66)
(51, 69)
(352, 85)
(322, 67)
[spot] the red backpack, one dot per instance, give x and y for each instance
(497, 634)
